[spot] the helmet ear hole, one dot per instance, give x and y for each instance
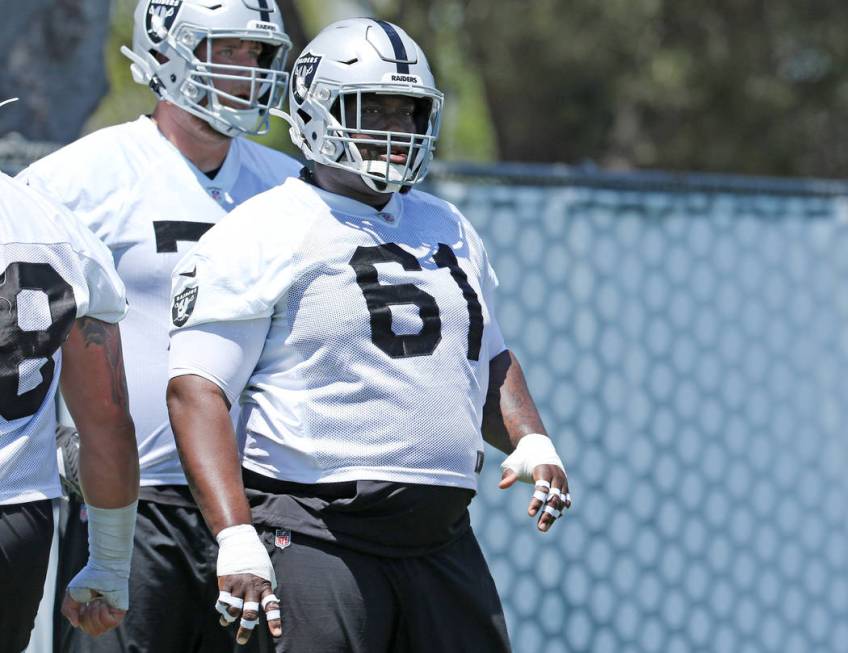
(267, 56)
(423, 109)
(336, 110)
(305, 117)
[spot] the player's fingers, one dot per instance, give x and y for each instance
(508, 477)
(228, 606)
(271, 606)
(548, 508)
(552, 509)
(566, 493)
(558, 479)
(110, 618)
(71, 610)
(249, 617)
(548, 518)
(540, 495)
(95, 619)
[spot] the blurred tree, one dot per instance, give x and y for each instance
(732, 85)
(52, 60)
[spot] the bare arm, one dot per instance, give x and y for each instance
(200, 418)
(95, 390)
(509, 412)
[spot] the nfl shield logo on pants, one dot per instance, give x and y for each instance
(282, 538)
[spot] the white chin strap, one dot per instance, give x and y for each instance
(236, 121)
(9, 101)
(392, 172)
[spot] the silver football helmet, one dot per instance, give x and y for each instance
(346, 60)
(166, 36)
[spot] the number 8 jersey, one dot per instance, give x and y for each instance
(376, 329)
(52, 271)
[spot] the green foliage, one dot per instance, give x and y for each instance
(731, 85)
(126, 100)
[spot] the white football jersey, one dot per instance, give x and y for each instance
(149, 204)
(381, 330)
(52, 271)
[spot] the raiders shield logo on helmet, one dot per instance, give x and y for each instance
(303, 72)
(183, 306)
(159, 17)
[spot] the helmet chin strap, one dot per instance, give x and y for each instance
(237, 120)
(391, 172)
(9, 101)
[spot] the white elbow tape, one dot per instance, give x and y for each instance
(110, 545)
(532, 450)
(242, 552)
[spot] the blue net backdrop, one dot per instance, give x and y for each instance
(686, 339)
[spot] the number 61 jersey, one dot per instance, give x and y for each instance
(380, 329)
(52, 271)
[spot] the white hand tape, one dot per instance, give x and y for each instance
(242, 552)
(533, 449)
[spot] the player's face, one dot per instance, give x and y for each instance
(233, 52)
(396, 113)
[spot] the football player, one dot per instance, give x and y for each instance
(60, 301)
(353, 319)
(149, 189)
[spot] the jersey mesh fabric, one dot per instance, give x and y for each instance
(326, 403)
(149, 204)
(53, 270)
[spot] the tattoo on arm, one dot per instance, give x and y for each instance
(93, 331)
(100, 334)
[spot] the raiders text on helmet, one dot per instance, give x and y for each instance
(346, 60)
(164, 56)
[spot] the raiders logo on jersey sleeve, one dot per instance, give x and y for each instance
(159, 17)
(183, 306)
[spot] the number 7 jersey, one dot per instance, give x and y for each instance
(380, 333)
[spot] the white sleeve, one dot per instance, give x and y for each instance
(107, 296)
(224, 353)
(237, 271)
(84, 178)
(494, 338)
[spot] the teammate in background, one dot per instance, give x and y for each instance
(149, 189)
(60, 301)
(352, 317)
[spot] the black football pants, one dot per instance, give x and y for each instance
(335, 600)
(26, 530)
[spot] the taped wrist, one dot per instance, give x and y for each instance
(242, 552)
(532, 450)
(110, 545)
(110, 538)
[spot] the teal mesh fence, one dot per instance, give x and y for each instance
(686, 339)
